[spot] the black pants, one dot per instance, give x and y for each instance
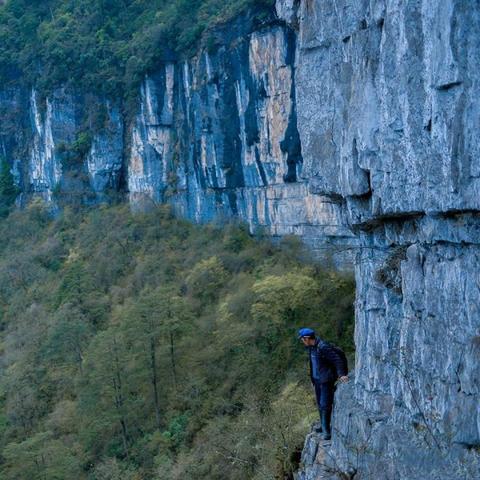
(324, 393)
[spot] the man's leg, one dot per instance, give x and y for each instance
(326, 405)
(318, 395)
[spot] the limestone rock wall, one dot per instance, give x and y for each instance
(387, 101)
(47, 142)
(217, 136)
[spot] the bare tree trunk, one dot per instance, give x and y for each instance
(172, 358)
(78, 349)
(153, 365)
(119, 401)
(118, 406)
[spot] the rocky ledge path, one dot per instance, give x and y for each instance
(317, 463)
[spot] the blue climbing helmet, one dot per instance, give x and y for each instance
(306, 332)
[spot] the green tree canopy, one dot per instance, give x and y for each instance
(103, 45)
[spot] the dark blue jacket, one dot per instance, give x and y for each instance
(327, 364)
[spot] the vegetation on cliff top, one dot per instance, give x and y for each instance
(143, 347)
(103, 45)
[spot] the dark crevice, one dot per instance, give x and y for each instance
(334, 198)
(389, 274)
(260, 167)
(213, 175)
(469, 446)
(261, 89)
(401, 217)
(448, 86)
(428, 126)
(380, 220)
(455, 213)
(291, 144)
(362, 197)
(369, 180)
(232, 154)
(454, 243)
(316, 46)
(232, 200)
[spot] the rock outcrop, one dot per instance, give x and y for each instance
(353, 124)
(388, 103)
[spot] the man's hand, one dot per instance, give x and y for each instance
(343, 379)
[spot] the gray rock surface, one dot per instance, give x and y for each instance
(217, 136)
(40, 138)
(388, 104)
(387, 97)
(312, 462)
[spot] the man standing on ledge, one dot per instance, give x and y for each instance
(327, 365)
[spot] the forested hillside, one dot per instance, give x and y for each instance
(104, 45)
(143, 347)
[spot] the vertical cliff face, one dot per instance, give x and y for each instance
(217, 136)
(52, 156)
(388, 103)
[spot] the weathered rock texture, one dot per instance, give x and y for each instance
(353, 124)
(42, 140)
(388, 110)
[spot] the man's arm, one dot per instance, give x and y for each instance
(336, 360)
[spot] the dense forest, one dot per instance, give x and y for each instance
(144, 347)
(105, 45)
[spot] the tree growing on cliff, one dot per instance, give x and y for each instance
(8, 189)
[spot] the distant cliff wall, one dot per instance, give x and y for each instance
(215, 136)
